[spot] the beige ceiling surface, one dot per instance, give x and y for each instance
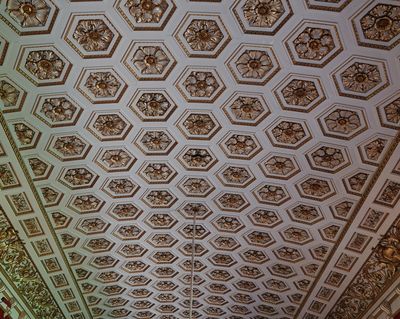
(199, 159)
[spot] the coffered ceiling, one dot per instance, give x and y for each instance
(199, 159)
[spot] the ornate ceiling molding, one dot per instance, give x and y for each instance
(376, 275)
(17, 266)
(192, 159)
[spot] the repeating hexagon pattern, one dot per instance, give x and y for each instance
(199, 159)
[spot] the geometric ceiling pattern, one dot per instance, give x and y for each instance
(200, 159)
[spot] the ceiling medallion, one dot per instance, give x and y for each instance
(29, 17)
(146, 14)
(343, 121)
(152, 105)
(253, 64)
(314, 44)
(149, 61)
(12, 96)
(361, 78)
(202, 35)
(300, 93)
(377, 26)
(389, 112)
(262, 16)
(246, 109)
(101, 85)
(92, 36)
(43, 66)
(201, 85)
